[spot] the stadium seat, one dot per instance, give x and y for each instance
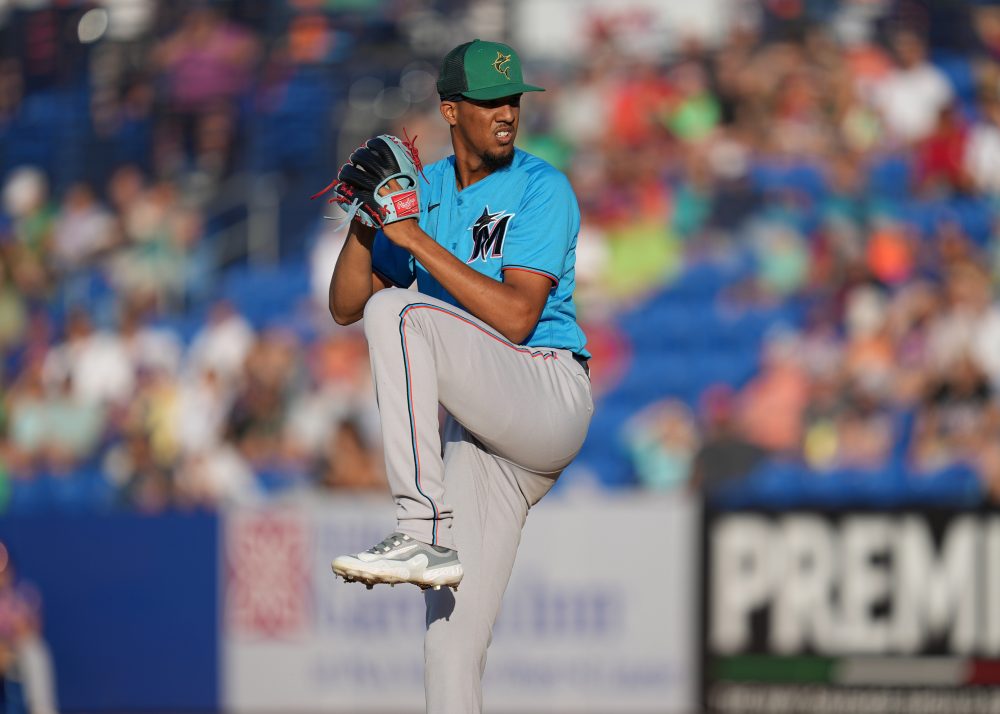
(954, 485)
(264, 295)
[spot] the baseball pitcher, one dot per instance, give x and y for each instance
(489, 237)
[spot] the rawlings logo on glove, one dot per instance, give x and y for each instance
(406, 204)
(362, 183)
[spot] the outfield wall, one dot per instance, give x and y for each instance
(130, 606)
(240, 612)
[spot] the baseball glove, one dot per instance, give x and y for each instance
(373, 165)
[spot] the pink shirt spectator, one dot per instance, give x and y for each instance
(207, 61)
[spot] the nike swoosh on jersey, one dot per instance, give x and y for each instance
(432, 206)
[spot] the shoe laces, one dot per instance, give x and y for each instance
(388, 543)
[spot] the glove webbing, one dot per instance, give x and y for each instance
(353, 206)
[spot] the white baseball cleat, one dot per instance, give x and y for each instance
(401, 559)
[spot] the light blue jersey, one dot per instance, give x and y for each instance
(523, 217)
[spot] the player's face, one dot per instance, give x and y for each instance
(488, 128)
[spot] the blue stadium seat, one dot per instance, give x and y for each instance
(960, 73)
(877, 488)
(976, 217)
(890, 177)
(26, 496)
(265, 295)
(185, 326)
(954, 485)
(777, 484)
(796, 177)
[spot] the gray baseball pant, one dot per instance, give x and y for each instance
(517, 416)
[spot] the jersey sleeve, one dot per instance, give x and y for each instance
(540, 234)
(392, 262)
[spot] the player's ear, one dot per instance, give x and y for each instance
(449, 110)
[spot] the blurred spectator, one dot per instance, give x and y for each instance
(950, 428)
(25, 662)
(150, 349)
(96, 362)
(341, 393)
(822, 442)
(153, 266)
(123, 51)
(639, 97)
(206, 66)
(772, 405)
(216, 477)
(51, 429)
(941, 155)
(13, 310)
(83, 230)
(141, 481)
(864, 433)
(782, 260)
(693, 112)
(912, 96)
(44, 62)
(981, 159)
(259, 413)
(889, 253)
(956, 329)
(581, 109)
(348, 462)
(662, 440)
(326, 250)
(986, 22)
(222, 344)
(724, 455)
(868, 355)
(202, 403)
(26, 202)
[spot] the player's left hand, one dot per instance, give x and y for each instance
(380, 182)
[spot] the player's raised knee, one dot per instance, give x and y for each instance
(386, 304)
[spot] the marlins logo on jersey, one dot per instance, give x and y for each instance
(488, 233)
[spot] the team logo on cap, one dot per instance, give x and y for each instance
(500, 61)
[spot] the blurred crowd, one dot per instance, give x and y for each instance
(863, 172)
(845, 155)
(128, 376)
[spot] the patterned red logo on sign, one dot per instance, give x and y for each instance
(406, 204)
(267, 576)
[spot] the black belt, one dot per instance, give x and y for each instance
(584, 361)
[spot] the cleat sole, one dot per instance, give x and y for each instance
(370, 580)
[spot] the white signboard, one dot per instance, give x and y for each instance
(599, 615)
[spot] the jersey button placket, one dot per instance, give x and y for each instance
(458, 214)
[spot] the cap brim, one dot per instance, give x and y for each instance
(501, 90)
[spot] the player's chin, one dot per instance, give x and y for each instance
(499, 158)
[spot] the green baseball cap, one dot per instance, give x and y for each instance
(482, 70)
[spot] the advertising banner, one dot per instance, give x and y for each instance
(597, 617)
(872, 613)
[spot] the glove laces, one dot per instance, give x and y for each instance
(411, 146)
(352, 206)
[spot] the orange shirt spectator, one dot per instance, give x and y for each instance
(773, 403)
